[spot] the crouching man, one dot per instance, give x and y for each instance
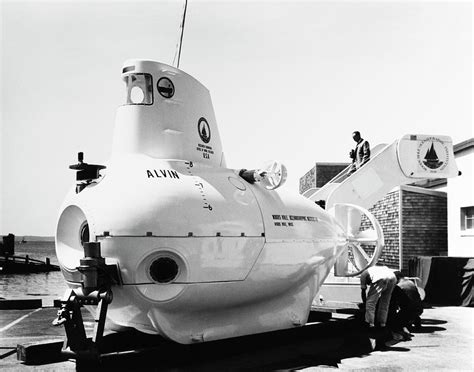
(406, 299)
(380, 281)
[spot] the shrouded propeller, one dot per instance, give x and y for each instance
(272, 175)
(365, 240)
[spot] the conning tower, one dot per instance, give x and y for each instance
(167, 115)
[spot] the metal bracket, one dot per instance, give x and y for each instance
(76, 343)
(97, 280)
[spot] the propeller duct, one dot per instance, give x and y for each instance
(365, 239)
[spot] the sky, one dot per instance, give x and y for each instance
(290, 81)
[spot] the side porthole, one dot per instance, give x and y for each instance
(163, 274)
(165, 87)
(164, 270)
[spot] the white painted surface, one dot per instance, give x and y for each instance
(461, 194)
(249, 259)
(168, 129)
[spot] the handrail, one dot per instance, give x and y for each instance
(326, 189)
(343, 174)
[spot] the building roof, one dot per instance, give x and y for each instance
(423, 190)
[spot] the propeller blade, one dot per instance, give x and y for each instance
(354, 220)
(342, 264)
(349, 219)
(365, 236)
(274, 168)
(360, 257)
(275, 175)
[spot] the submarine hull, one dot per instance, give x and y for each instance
(203, 255)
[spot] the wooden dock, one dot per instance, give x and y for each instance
(25, 264)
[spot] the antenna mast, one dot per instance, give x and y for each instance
(180, 43)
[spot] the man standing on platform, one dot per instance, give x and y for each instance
(361, 154)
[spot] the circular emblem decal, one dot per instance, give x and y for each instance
(165, 87)
(204, 130)
(433, 154)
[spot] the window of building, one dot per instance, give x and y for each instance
(467, 218)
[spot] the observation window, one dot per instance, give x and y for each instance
(139, 89)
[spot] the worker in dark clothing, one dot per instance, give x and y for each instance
(405, 307)
(361, 154)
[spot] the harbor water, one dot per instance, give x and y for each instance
(47, 286)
